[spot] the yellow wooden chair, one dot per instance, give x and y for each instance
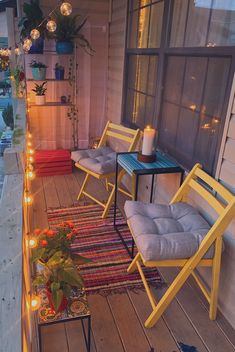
(101, 162)
(205, 248)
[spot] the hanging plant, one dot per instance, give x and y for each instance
(18, 77)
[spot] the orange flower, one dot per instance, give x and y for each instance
(45, 231)
(69, 236)
(37, 232)
(44, 243)
(71, 225)
(51, 233)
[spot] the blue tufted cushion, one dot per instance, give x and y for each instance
(164, 232)
(100, 160)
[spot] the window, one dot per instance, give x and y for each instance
(178, 79)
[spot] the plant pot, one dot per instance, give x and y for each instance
(40, 99)
(37, 46)
(59, 74)
(63, 304)
(64, 47)
(39, 73)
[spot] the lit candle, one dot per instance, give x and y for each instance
(148, 140)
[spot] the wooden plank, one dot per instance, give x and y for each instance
(51, 197)
(62, 191)
(208, 330)
(76, 341)
(39, 204)
(159, 336)
(231, 130)
(54, 338)
(227, 173)
(178, 323)
(104, 329)
(73, 187)
(229, 150)
(128, 325)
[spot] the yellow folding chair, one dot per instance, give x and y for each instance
(101, 162)
(192, 243)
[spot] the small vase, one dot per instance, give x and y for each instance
(37, 46)
(63, 304)
(40, 99)
(64, 47)
(39, 73)
(59, 74)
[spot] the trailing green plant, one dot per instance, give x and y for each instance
(40, 89)
(7, 115)
(18, 76)
(33, 17)
(69, 29)
(37, 64)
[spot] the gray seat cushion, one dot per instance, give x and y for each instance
(100, 160)
(164, 232)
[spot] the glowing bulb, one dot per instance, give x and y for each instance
(66, 8)
(51, 26)
(28, 199)
(35, 34)
(30, 175)
(27, 43)
(35, 302)
(30, 159)
(29, 144)
(31, 151)
(17, 51)
(29, 135)
(32, 243)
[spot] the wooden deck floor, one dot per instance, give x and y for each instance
(117, 320)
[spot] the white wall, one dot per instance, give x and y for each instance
(3, 26)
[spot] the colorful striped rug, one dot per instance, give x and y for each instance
(98, 241)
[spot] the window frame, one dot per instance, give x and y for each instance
(165, 51)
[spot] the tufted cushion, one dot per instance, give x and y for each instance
(100, 160)
(166, 231)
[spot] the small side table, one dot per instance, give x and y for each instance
(133, 167)
(77, 309)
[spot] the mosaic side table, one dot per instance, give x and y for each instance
(77, 309)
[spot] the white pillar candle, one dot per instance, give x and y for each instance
(148, 140)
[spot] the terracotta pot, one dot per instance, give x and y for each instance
(40, 99)
(63, 303)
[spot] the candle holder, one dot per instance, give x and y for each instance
(146, 158)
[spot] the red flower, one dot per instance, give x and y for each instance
(45, 231)
(51, 233)
(75, 232)
(21, 76)
(37, 232)
(43, 243)
(71, 225)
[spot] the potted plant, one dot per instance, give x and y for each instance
(59, 72)
(39, 70)
(58, 273)
(68, 29)
(40, 91)
(33, 17)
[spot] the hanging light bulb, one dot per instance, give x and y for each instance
(35, 302)
(32, 242)
(66, 8)
(28, 198)
(17, 51)
(51, 26)
(27, 44)
(34, 34)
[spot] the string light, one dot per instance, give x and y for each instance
(28, 42)
(34, 34)
(32, 242)
(66, 8)
(17, 51)
(35, 302)
(28, 198)
(30, 159)
(30, 174)
(29, 144)
(30, 151)
(51, 26)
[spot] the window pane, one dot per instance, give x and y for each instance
(155, 28)
(191, 119)
(133, 30)
(152, 75)
(143, 27)
(203, 23)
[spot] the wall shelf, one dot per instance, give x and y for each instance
(51, 103)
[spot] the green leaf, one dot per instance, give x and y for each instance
(71, 276)
(55, 286)
(38, 253)
(79, 260)
(57, 297)
(39, 280)
(56, 259)
(67, 290)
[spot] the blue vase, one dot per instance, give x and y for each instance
(37, 46)
(39, 74)
(59, 74)
(64, 47)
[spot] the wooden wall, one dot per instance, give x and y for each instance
(117, 35)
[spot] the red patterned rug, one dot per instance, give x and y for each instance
(98, 240)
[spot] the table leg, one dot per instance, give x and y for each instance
(182, 178)
(115, 195)
(151, 193)
(87, 336)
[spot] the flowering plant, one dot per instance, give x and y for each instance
(60, 272)
(18, 77)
